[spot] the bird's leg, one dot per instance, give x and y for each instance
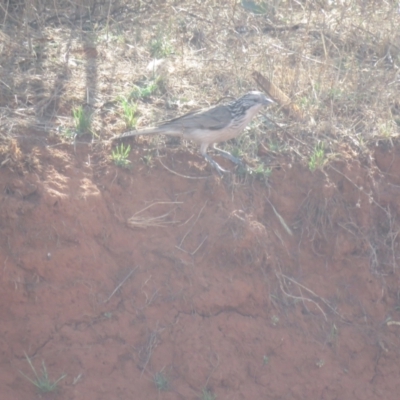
(203, 152)
(214, 164)
(228, 155)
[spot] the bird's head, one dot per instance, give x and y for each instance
(250, 103)
(257, 98)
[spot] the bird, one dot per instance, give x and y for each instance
(213, 125)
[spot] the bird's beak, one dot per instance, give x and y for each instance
(268, 101)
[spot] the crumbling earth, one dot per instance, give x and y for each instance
(222, 287)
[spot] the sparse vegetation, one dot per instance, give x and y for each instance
(161, 381)
(333, 334)
(82, 121)
(129, 112)
(236, 152)
(160, 46)
(145, 90)
(328, 75)
(148, 160)
(42, 381)
(13, 158)
(274, 320)
(317, 158)
(259, 7)
(276, 146)
(207, 394)
(260, 172)
(120, 156)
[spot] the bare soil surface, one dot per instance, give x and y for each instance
(219, 301)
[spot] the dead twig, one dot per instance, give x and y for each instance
(276, 94)
(314, 294)
(303, 299)
(281, 220)
(119, 286)
(182, 176)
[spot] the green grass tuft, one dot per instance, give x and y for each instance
(161, 381)
(129, 111)
(317, 159)
(261, 172)
(145, 91)
(82, 121)
(207, 394)
(120, 156)
(160, 46)
(42, 382)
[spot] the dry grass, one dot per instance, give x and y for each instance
(335, 62)
(159, 221)
(13, 158)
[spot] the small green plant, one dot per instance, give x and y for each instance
(120, 156)
(129, 110)
(276, 146)
(161, 381)
(142, 92)
(335, 93)
(237, 152)
(207, 394)
(274, 320)
(317, 158)
(334, 334)
(261, 172)
(160, 46)
(66, 132)
(305, 102)
(148, 160)
(246, 145)
(255, 7)
(42, 382)
(82, 121)
(387, 129)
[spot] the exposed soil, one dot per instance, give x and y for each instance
(222, 298)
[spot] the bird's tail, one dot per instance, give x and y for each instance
(152, 131)
(147, 131)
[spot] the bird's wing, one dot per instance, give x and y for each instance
(212, 119)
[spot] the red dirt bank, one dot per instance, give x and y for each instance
(222, 297)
